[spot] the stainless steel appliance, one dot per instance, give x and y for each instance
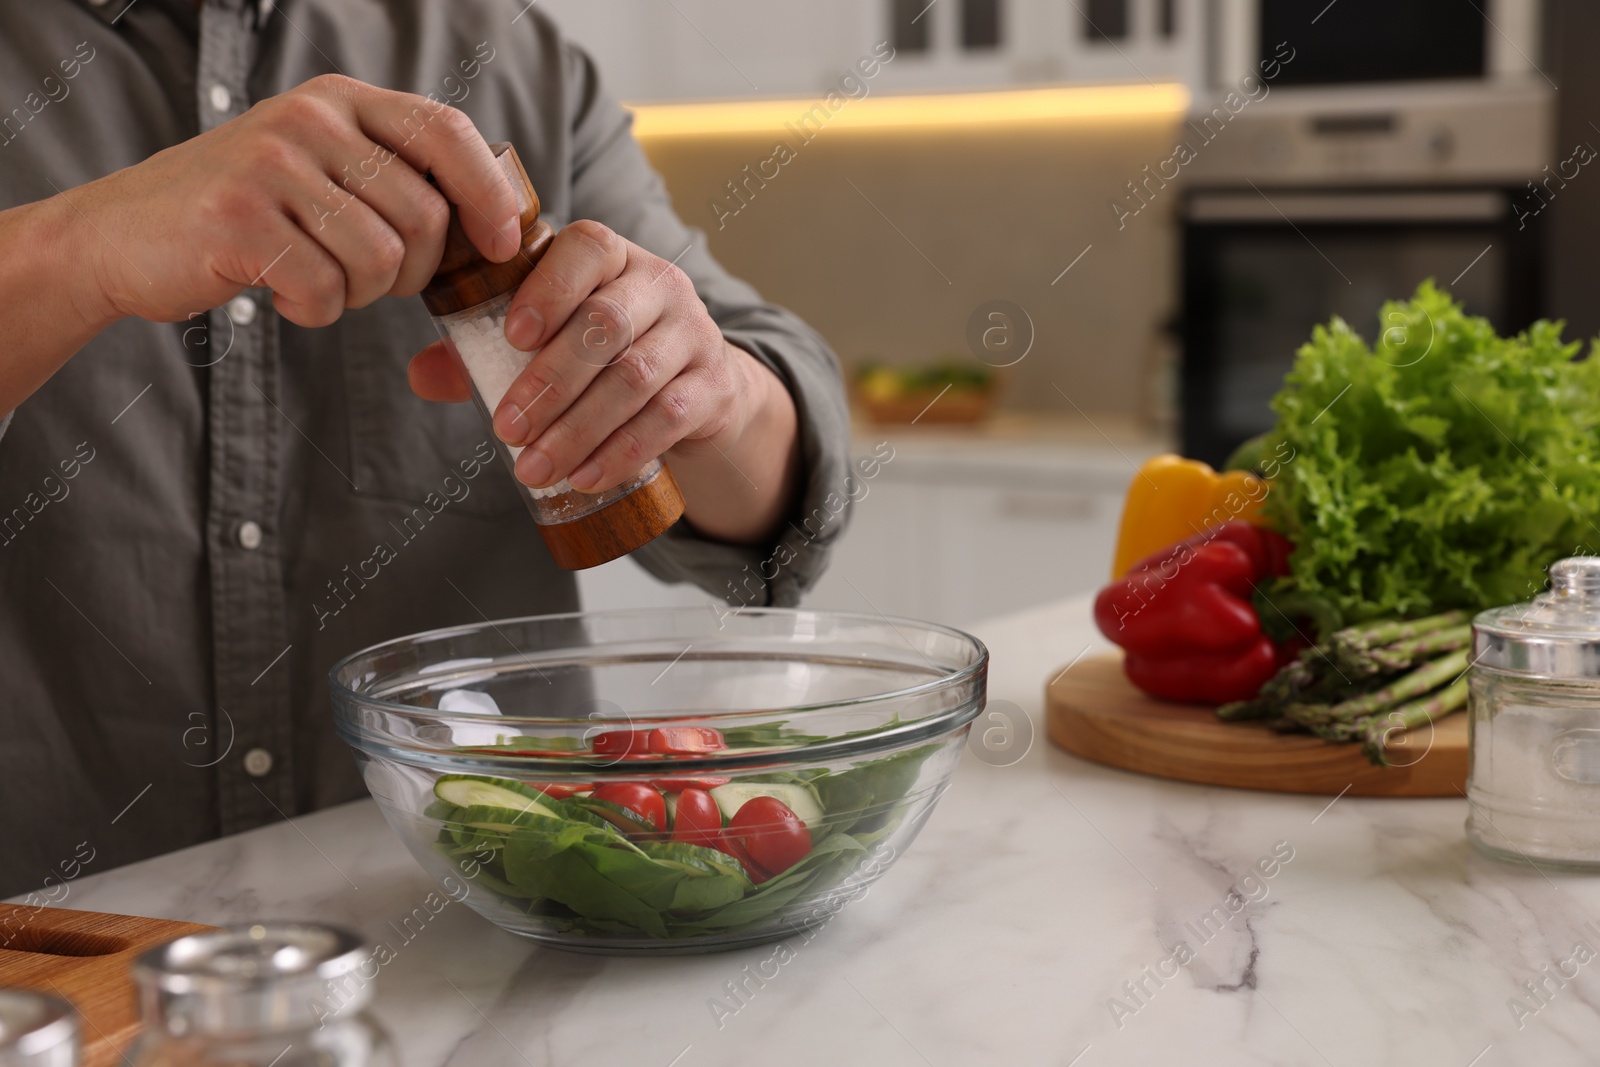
(1348, 41)
(1328, 200)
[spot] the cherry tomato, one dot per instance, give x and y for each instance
(622, 742)
(771, 833)
(685, 740)
(647, 803)
(678, 785)
(730, 844)
(562, 790)
(697, 820)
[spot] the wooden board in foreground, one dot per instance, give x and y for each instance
(84, 956)
(1093, 711)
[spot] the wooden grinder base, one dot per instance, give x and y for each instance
(618, 528)
(85, 957)
(1093, 711)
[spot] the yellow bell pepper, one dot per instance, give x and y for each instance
(1172, 498)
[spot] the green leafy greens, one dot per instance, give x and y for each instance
(555, 859)
(1443, 467)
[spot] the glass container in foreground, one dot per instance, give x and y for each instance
(263, 995)
(675, 780)
(1534, 783)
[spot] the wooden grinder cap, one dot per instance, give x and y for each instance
(466, 278)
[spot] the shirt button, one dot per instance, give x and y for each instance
(242, 310)
(258, 763)
(249, 537)
(221, 99)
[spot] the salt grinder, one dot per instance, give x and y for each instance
(37, 1030)
(468, 298)
(277, 994)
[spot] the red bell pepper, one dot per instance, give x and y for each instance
(1205, 677)
(1185, 619)
(1268, 550)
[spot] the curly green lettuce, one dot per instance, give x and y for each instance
(1443, 467)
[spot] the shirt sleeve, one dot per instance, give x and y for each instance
(613, 183)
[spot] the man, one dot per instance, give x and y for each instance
(214, 479)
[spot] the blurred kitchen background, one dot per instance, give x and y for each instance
(1104, 225)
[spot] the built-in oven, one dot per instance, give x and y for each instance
(1261, 269)
(1326, 201)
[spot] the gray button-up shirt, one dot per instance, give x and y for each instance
(198, 519)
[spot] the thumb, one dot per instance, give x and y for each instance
(433, 375)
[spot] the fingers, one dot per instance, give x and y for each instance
(674, 382)
(374, 206)
(598, 294)
(615, 396)
(434, 376)
(416, 211)
(690, 406)
(367, 248)
(375, 215)
(307, 282)
(583, 257)
(442, 141)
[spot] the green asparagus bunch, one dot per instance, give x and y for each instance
(1365, 683)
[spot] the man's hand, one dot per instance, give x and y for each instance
(318, 193)
(630, 366)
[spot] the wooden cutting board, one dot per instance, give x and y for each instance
(84, 956)
(1093, 711)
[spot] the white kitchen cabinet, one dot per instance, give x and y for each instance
(709, 49)
(1012, 546)
(888, 559)
(953, 530)
(953, 537)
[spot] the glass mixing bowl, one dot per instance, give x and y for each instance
(676, 780)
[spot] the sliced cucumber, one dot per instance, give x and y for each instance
(485, 828)
(504, 820)
(691, 859)
(472, 791)
(800, 798)
(442, 810)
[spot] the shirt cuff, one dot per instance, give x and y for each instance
(778, 574)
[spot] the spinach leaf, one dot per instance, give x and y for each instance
(707, 893)
(766, 735)
(563, 875)
(633, 872)
(864, 797)
(775, 894)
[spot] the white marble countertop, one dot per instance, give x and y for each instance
(1016, 930)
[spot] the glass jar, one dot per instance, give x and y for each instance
(266, 995)
(468, 298)
(1534, 783)
(37, 1030)
(567, 519)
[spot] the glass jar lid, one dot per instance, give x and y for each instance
(265, 976)
(1556, 635)
(37, 1030)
